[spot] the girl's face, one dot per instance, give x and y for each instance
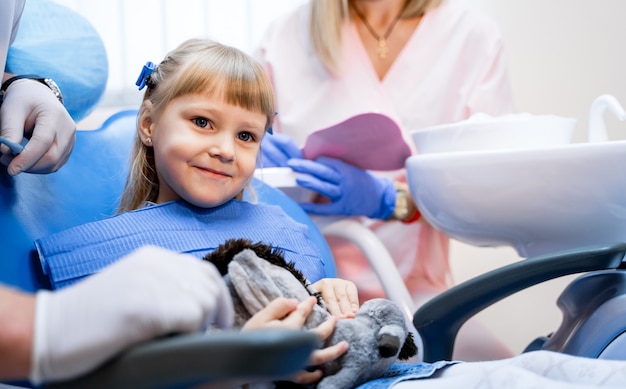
(205, 150)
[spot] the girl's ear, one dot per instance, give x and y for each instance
(146, 122)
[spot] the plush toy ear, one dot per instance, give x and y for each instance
(258, 282)
(409, 348)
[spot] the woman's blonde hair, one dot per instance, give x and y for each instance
(196, 66)
(327, 18)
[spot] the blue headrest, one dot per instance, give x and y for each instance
(56, 42)
(88, 188)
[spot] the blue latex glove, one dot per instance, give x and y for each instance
(352, 191)
(277, 149)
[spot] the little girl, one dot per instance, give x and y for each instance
(199, 130)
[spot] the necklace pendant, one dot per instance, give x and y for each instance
(382, 49)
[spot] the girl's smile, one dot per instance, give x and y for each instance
(213, 173)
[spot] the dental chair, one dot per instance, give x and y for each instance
(593, 305)
(87, 188)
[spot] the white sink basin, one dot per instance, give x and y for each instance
(536, 200)
(484, 132)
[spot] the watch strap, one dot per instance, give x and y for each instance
(46, 81)
(405, 209)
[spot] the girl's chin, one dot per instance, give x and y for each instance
(206, 203)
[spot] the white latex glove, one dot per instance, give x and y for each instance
(31, 110)
(151, 292)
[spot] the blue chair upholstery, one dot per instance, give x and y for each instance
(55, 41)
(87, 188)
(84, 190)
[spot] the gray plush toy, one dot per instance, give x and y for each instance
(378, 335)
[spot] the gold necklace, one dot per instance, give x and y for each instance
(382, 49)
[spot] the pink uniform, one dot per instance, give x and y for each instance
(451, 67)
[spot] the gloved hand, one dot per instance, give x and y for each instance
(353, 192)
(277, 149)
(31, 110)
(149, 293)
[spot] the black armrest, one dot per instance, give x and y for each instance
(439, 320)
(187, 360)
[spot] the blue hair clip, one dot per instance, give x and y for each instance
(146, 71)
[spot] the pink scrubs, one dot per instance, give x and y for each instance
(451, 67)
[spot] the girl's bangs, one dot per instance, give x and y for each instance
(231, 80)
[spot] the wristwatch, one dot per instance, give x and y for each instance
(46, 81)
(405, 209)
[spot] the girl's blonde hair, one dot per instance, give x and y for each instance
(196, 66)
(327, 18)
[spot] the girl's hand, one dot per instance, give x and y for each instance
(341, 296)
(318, 357)
(282, 313)
(290, 314)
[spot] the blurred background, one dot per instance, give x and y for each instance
(561, 54)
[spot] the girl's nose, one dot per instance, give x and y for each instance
(222, 148)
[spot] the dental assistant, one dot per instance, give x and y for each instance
(421, 62)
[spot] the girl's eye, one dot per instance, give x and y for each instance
(246, 136)
(201, 122)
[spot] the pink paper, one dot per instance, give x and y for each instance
(370, 141)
